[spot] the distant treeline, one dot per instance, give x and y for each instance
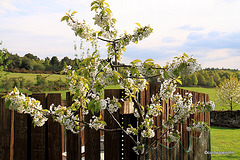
(30, 63)
(209, 77)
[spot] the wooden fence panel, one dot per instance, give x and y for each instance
(54, 130)
(46, 142)
(5, 130)
(38, 135)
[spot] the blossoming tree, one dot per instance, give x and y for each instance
(87, 83)
(228, 93)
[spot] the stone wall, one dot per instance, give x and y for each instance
(229, 119)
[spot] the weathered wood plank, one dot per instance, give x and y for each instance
(92, 141)
(38, 135)
(73, 140)
(54, 130)
(5, 130)
(21, 140)
(112, 140)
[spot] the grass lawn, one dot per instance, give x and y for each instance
(225, 140)
(211, 92)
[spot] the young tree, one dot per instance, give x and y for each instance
(86, 84)
(228, 93)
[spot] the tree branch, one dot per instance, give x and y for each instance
(122, 127)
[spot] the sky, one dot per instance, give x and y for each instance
(209, 30)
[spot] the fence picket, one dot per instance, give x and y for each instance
(38, 136)
(112, 140)
(54, 130)
(21, 141)
(5, 130)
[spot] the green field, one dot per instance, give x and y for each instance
(211, 92)
(225, 140)
(32, 77)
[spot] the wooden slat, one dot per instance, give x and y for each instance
(112, 143)
(129, 154)
(21, 141)
(73, 140)
(5, 130)
(92, 141)
(38, 135)
(54, 130)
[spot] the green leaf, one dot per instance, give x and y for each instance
(179, 81)
(148, 60)
(74, 12)
(185, 55)
(138, 25)
(64, 18)
(106, 4)
(108, 11)
(136, 61)
(181, 67)
(176, 72)
(94, 8)
(165, 74)
(118, 74)
(7, 104)
(94, 2)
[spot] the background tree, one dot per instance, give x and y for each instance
(27, 63)
(228, 93)
(194, 80)
(3, 57)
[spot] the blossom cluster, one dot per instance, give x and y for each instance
(205, 107)
(149, 133)
(154, 110)
(199, 127)
(65, 116)
(22, 104)
(84, 31)
(182, 108)
(139, 149)
(96, 123)
(172, 136)
(167, 89)
(182, 66)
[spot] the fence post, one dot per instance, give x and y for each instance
(92, 141)
(73, 140)
(112, 143)
(38, 135)
(21, 140)
(54, 130)
(5, 130)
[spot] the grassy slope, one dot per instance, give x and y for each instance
(225, 140)
(32, 77)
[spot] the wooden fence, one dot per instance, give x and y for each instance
(20, 140)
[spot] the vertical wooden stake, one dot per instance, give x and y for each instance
(12, 136)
